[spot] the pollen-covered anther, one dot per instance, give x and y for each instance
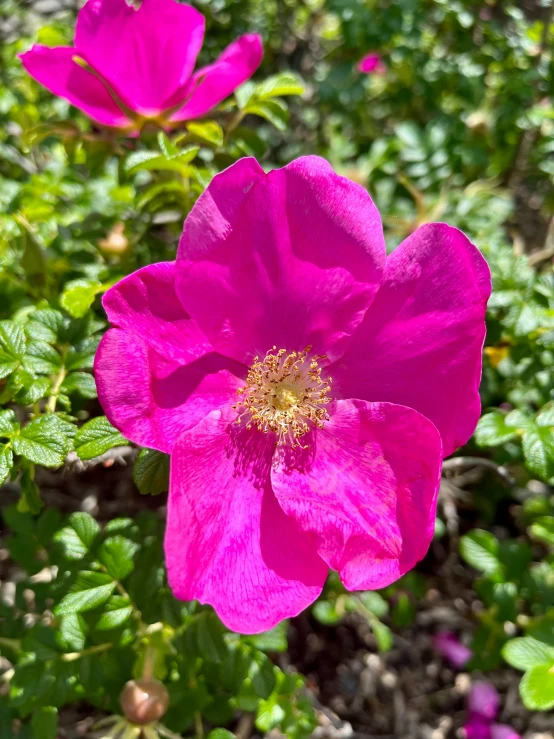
(285, 394)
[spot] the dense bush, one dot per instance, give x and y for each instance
(459, 128)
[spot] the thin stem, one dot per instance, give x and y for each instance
(56, 385)
(72, 656)
(198, 725)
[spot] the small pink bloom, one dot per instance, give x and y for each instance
(223, 359)
(127, 63)
(477, 728)
(371, 64)
(449, 646)
(483, 700)
(501, 731)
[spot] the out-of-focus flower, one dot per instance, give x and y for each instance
(224, 359)
(449, 646)
(371, 64)
(483, 706)
(501, 731)
(128, 65)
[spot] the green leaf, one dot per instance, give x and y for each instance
(6, 463)
(221, 734)
(206, 131)
(116, 554)
(12, 339)
(262, 674)
(96, 437)
(543, 530)
(33, 391)
(326, 613)
(46, 441)
(492, 430)
(279, 84)
(77, 538)
(78, 296)
(41, 357)
(80, 382)
(146, 161)
(44, 724)
(30, 500)
(90, 590)
(113, 619)
(383, 636)
(274, 640)
(537, 688)
(545, 416)
(274, 111)
(151, 472)
(44, 324)
(167, 147)
(538, 450)
(480, 549)
(374, 603)
(7, 364)
(525, 652)
(71, 634)
(8, 424)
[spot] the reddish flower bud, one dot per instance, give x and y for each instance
(144, 701)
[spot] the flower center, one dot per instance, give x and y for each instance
(286, 394)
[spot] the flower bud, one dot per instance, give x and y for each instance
(144, 701)
(116, 242)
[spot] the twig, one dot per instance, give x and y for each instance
(459, 463)
(119, 454)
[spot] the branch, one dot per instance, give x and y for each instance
(456, 464)
(119, 454)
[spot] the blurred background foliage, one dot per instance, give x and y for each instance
(459, 128)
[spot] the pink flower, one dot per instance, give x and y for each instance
(129, 64)
(483, 706)
(448, 645)
(223, 359)
(501, 731)
(371, 64)
(483, 700)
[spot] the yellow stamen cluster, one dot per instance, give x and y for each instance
(286, 394)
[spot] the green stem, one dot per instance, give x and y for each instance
(56, 385)
(198, 725)
(72, 656)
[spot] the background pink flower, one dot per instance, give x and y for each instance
(450, 647)
(127, 63)
(371, 63)
(483, 707)
(281, 281)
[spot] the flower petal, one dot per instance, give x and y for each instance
(156, 373)
(212, 84)
(483, 700)
(450, 647)
(145, 304)
(55, 69)
(291, 259)
(367, 489)
(227, 541)
(420, 343)
(502, 731)
(145, 54)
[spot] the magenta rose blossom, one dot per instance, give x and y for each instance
(128, 64)
(305, 385)
(371, 64)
